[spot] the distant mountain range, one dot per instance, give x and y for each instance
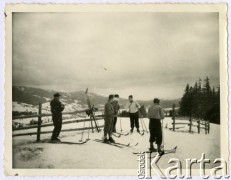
(34, 96)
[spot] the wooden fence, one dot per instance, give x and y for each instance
(40, 125)
(200, 123)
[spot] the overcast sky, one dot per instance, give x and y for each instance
(145, 54)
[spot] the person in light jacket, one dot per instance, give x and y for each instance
(155, 114)
(133, 107)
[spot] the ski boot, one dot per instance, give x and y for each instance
(105, 140)
(111, 140)
(131, 131)
(160, 152)
(152, 149)
(138, 130)
(57, 139)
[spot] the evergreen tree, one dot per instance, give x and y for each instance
(201, 102)
(185, 103)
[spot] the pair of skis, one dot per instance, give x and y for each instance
(118, 135)
(173, 150)
(140, 133)
(116, 144)
(63, 142)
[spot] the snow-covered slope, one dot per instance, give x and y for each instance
(34, 96)
(23, 107)
(95, 155)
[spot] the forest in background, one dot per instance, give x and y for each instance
(201, 101)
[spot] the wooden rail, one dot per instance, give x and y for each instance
(45, 115)
(205, 124)
(40, 125)
(51, 124)
(46, 132)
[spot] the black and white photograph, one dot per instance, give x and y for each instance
(101, 88)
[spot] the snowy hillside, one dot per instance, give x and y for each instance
(95, 155)
(75, 100)
(23, 107)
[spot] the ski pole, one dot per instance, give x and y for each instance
(88, 134)
(142, 125)
(162, 134)
(97, 124)
(82, 132)
(120, 125)
(145, 126)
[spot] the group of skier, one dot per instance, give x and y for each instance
(111, 112)
(155, 115)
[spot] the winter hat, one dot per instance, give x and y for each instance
(56, 95)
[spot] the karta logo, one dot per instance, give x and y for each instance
(149, 165)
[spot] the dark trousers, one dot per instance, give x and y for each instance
(114, 123)
(57, 122)
(155, 131)
(108, 125)
(134, 120)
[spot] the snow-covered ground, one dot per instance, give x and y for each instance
(95, 155)
(23, 107)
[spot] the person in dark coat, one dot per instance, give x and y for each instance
(116, 107)
(108, 120)
(155, 114)
(56, 109)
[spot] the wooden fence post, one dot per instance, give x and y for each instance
(208, 126)
(39, 122)
(199, 125)
(190, 124)
(173, 117)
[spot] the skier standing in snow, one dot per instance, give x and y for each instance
(133, 107)
(108, 120)
(155, 114)
(56, 109)
(116, 107)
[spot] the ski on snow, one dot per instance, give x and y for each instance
(118, 135)
(141, 133)
(71, 143)
(111, 144)
(122, 134)
(117, 144)
(64, 142)
(173, 150)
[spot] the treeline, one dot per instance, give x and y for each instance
(201, 101)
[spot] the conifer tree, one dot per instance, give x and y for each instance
(201, 102)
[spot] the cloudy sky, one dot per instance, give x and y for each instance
(144, 54)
